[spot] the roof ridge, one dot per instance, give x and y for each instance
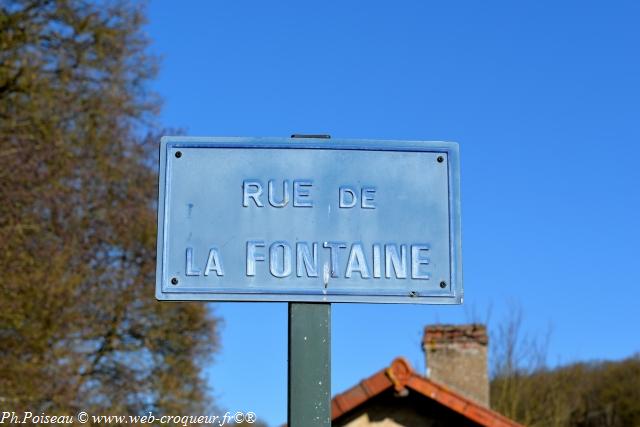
(401, 376)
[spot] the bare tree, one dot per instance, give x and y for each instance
(519, 360)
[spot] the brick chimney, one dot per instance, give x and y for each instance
(456, 356)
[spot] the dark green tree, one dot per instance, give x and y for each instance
(79, 326)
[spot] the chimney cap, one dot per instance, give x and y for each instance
(450, 334)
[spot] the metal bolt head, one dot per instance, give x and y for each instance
(440, 159)
(315, 136)
(413, 294)
(178, 154)
(174, 281)
(443, 284)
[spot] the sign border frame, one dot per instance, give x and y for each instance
(451, 149)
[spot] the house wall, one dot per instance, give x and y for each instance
(411, 410)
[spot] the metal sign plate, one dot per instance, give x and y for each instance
(279, 219)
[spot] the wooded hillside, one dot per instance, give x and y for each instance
(603, 394)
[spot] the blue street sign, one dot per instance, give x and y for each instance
(316, 220)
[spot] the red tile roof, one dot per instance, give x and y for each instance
(401, 377)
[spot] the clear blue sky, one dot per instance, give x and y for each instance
(544, 99)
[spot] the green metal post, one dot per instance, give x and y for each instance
(309, 394)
